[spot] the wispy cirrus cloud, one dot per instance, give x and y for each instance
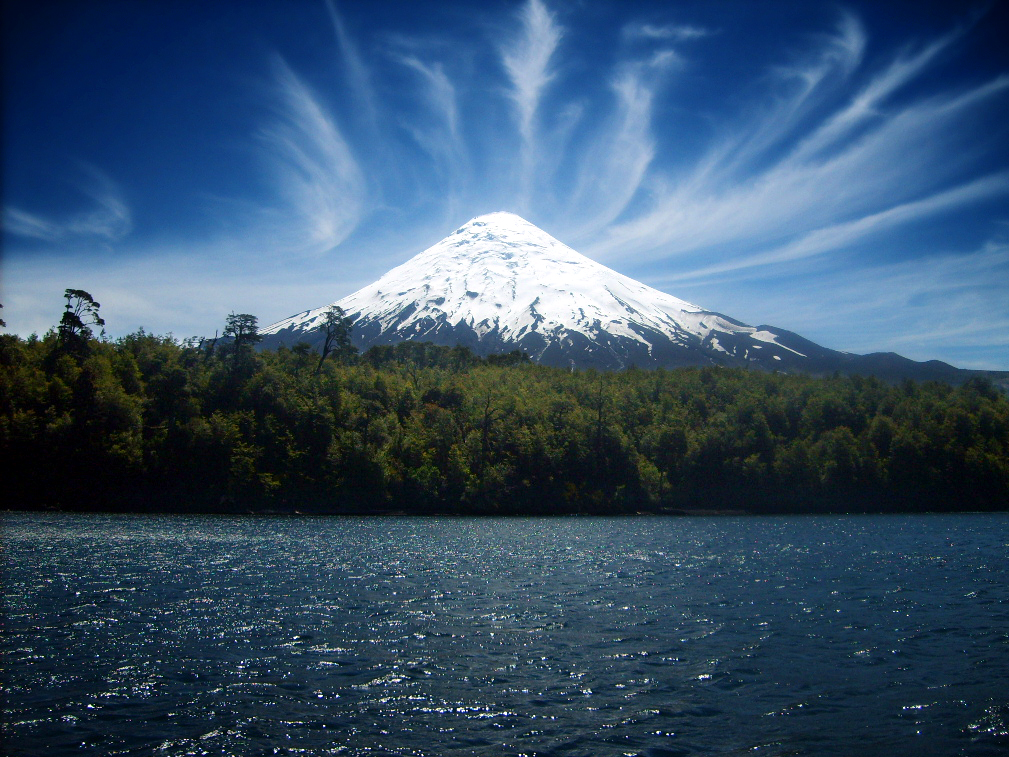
(808, 170)
(358, 74)
(798, 87)
(852, 170)
(320, 185)
(24, 224)
(865, 106)
(527, 62)
(439, 88)
(439, 136)
(108, 219)
(616, 161)
(111, 218)
(668, 33)
(840, 235)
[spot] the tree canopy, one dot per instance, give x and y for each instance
(149, 423)
(80, 314)
(336, 327)
(243, 330)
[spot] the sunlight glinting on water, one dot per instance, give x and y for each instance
(175, 635)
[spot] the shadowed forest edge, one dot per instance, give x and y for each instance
(148, 423)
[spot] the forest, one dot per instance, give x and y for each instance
(151, 423)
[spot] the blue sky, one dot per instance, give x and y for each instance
(837, 169)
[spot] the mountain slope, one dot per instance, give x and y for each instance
(499, 283)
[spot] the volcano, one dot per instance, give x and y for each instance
(499, 283)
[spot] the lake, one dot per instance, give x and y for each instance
(179, 635)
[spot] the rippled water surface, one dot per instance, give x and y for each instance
(573, 636)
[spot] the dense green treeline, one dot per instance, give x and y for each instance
(146, 422)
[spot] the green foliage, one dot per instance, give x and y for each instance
(80, 313)
(337, 327)
(147, 422)
(242, 329)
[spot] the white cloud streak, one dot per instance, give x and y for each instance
(807, 83)
(358, 74)
(895, 158)
(527, 63)
(670, 33)
(111, 219)
(108, 220)
(840, 235)
(440, 91)
(866, 104)
(25, 224)
(441, 140)
(317, 176)
(617, 161)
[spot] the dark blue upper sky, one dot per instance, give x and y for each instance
(837, 169)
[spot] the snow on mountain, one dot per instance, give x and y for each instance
(499, 283)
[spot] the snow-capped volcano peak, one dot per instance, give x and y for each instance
(505, 227)
(497, 239)
(500, 283)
